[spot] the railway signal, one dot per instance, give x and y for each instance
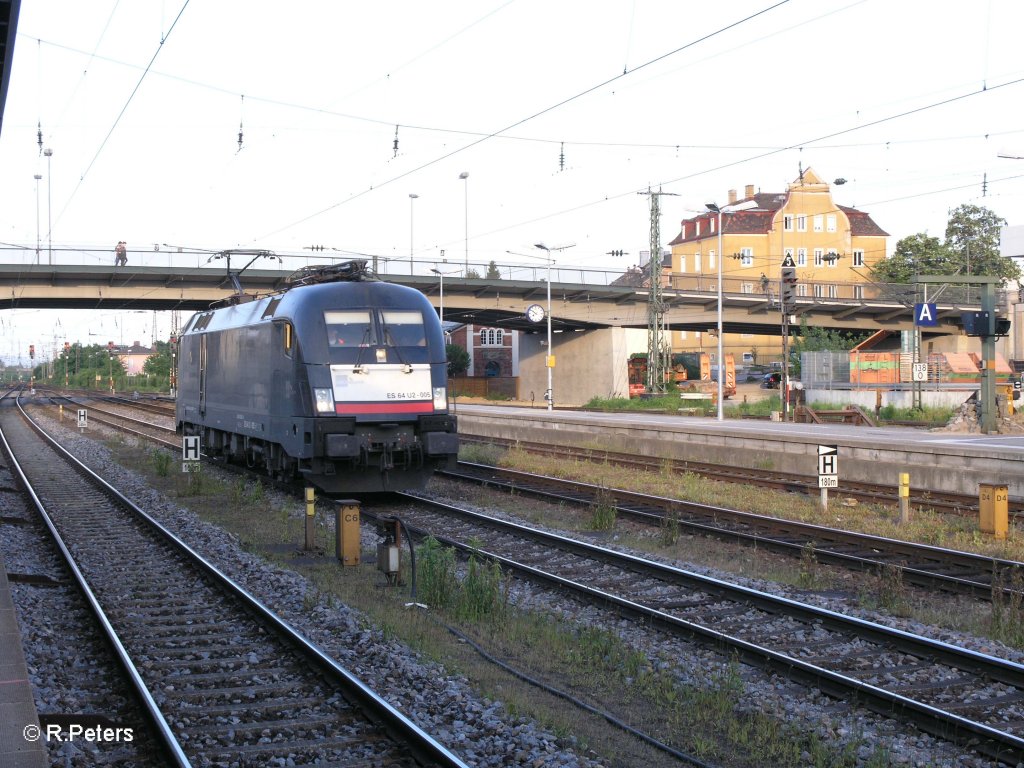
(787, 288)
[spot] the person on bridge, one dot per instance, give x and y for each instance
(120, 254)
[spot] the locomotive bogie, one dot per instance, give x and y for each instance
(343, 384)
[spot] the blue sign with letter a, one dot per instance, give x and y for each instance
(924, 314)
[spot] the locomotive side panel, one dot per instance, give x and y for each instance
(342, 383)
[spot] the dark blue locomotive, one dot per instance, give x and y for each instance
(340, 380)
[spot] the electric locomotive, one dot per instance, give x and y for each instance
(341, 380)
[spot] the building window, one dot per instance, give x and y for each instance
(830, 222)
(801, 257)
(697, 225)
(801, 289)
(711, 223)
(833, 291)
(833, 257)
(746, 287)
(746, 257)
(787, 222)
(801, 223)
(818, 253)
(819, 222)
(711, 261)
(492, 337)
(682, 263)
(858, 292)
(819, 290)
(682, 235)
(696, 263)
(858, 258)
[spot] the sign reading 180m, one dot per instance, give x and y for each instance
(828, 466)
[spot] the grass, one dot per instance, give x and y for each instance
(672, 404)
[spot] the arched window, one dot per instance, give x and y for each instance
(492, 337)
(493, 368)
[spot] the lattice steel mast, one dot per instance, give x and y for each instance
(657, 349)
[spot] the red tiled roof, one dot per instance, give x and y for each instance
(757, 221)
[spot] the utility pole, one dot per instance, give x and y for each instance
(657, 355)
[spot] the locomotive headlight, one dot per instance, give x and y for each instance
(440, 398)
(324, 400)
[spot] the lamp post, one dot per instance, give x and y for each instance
(550, 395)
(38, 177)
(745, 205)
(465, 176)
(412, 199)
(49, 206)
(440, 308)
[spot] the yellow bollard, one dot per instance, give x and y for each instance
(310, 519)
(993, 509)
(904, 498)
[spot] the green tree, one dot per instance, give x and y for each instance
(972, 236)
(492, 271)
(918, 254)
(472, 274)
(159, 364)
(458, 359)
(971, 248)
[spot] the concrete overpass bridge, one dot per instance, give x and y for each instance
(599, 318)
(580, 299)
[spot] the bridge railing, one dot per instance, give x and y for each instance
(810, 287)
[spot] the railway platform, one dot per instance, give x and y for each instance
(938, 461)
(17, 707)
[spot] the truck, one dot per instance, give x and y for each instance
(690, 371)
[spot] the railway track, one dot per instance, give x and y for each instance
(878, 493)
(222, 679)
(964, 696)
(924, 566)
(919, 564)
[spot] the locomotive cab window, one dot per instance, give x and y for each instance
(350, 328)
(404, 329)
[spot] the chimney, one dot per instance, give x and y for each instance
(748, 191)
(732, 196)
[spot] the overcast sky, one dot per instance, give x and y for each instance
(560, 113)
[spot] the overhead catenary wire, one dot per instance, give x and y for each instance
(533, 116)
(124, 109)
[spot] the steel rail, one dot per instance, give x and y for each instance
(421, 744)
(920, 564)
(170, 743)
(794, 483)
(947, 725)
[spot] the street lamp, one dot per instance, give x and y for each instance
(38, 177)
(464, 176)
(745, 205)
(49, 205)
(440, 308)
(550, 362)
(412, 199)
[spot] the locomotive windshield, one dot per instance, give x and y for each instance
(403, 328)
(350, 328)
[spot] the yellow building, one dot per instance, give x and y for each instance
(833, 248)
